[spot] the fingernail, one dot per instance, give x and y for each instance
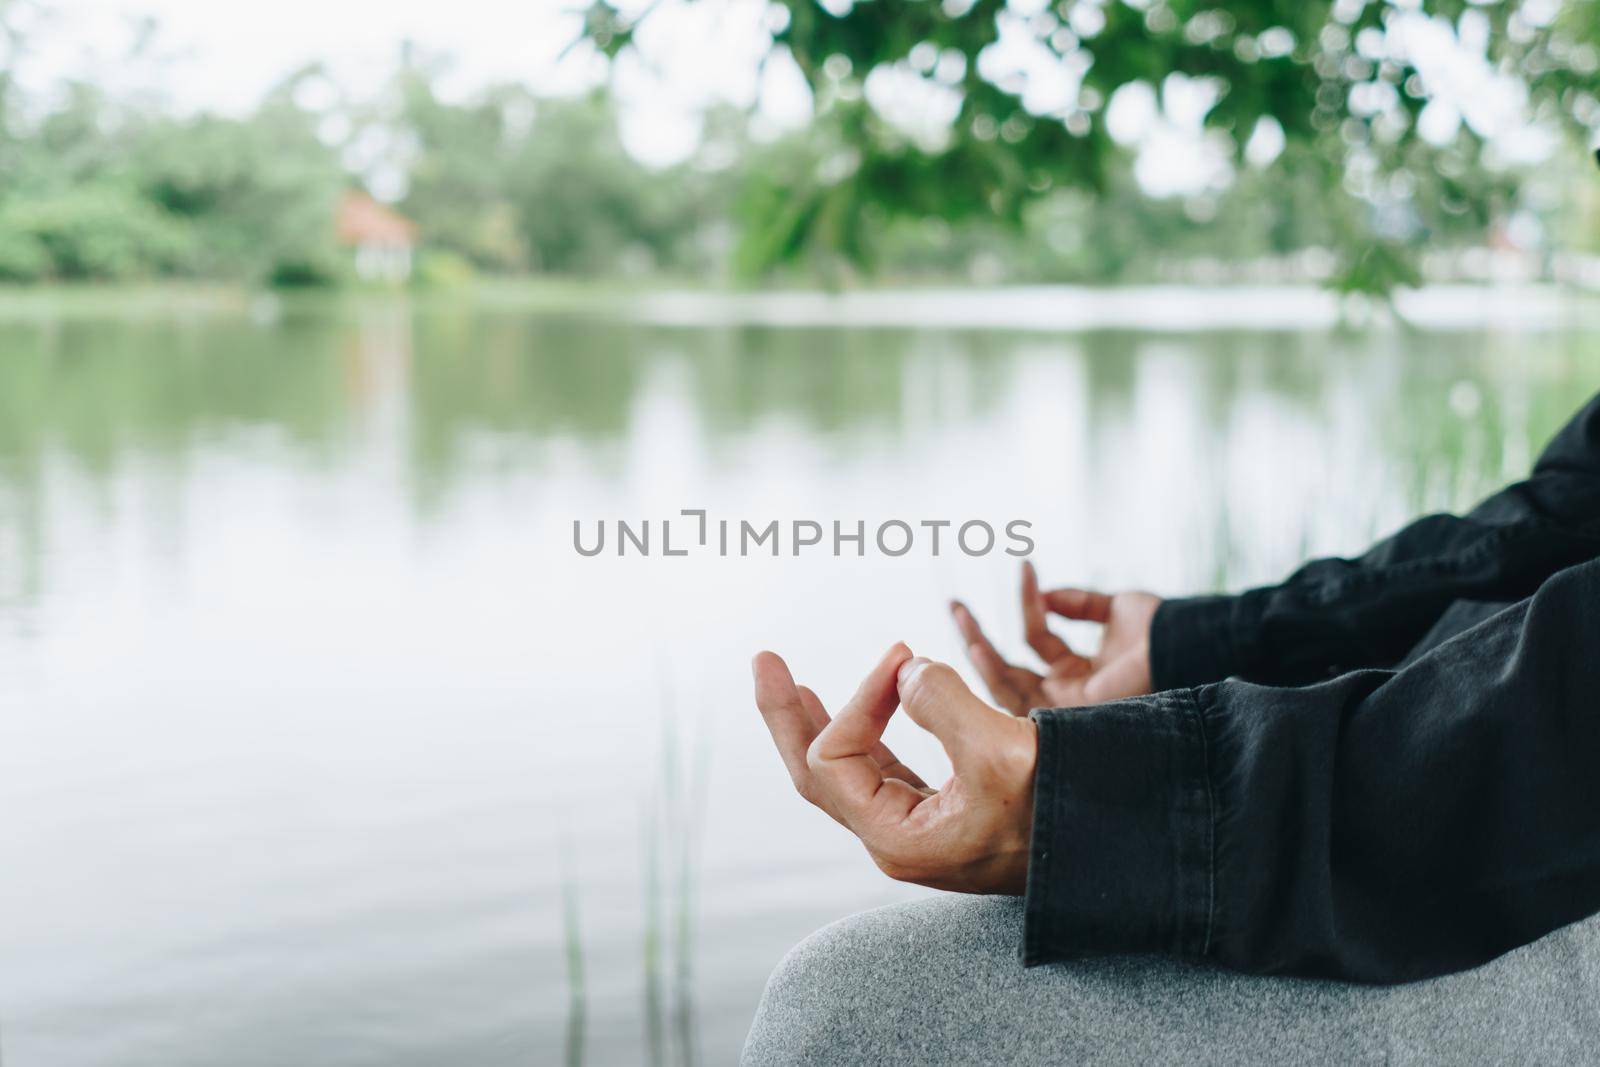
(910, 667)
(955, 606)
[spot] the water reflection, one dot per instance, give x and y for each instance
(100, 389)
(305, 667)
(463, 393)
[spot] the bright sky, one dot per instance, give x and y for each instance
(222, 55)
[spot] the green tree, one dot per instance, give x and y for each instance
(457, 165)
(584, 204)
(1334, 76)
(258, 193)
(512, 182)
(101, 188)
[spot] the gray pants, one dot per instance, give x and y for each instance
(938, 981)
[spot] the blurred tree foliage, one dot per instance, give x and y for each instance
(95, 187)
(107, 185)
(511, 182)
(1031, 82)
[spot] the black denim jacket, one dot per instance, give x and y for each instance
(1399, 777)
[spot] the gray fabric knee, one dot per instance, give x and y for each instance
(938, 981)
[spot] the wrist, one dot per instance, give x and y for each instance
(1022, 761)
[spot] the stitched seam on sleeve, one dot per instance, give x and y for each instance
(1038, 918)
(1211, 823)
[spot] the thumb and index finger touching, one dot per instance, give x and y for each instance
(933, 694)
(938, 700)
(839, 763)
(1085, 605)
(846, 754)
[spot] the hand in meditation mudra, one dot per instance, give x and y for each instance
(972, 834)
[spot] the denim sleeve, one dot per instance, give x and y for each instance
(1383, 826)
(1337, 615)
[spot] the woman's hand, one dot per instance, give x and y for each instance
(1121, 667)
(971, 835)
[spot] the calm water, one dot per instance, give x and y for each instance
(319, 744)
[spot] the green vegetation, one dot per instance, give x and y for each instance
(98, 189)
(101, 186)
(1345, 85)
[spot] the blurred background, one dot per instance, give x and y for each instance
(321, 324)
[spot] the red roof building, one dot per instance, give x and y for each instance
(382, 239)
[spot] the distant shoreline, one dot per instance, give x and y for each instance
(1025, 308)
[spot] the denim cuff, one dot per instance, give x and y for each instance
(1192, 641)
(1121, 859)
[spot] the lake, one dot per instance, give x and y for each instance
(321, 744)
